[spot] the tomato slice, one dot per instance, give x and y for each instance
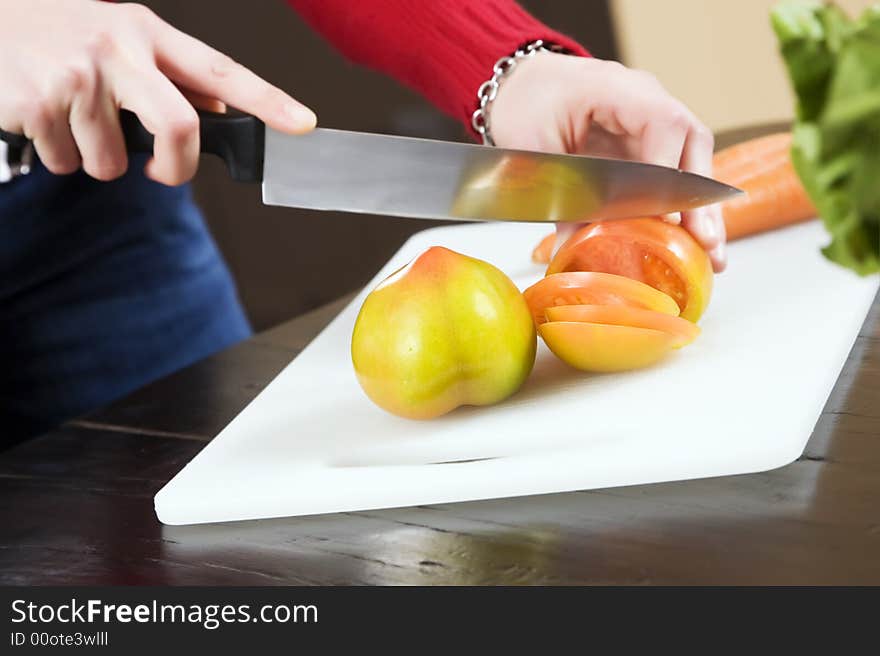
(620, 315)
(650, 250)
(591, 288)
(605, 348)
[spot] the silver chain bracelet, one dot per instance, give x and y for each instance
(489, 89)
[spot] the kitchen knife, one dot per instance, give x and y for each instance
(401, 176)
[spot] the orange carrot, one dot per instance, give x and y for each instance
(762, 168)
(740, 161)
(774, 196)
(544, 250)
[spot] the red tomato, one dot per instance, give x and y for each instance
(650, 250)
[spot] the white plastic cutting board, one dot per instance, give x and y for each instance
(744, 397)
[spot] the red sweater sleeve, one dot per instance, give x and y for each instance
(442, 48)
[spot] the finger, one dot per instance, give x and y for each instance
(696, 222)
(54, 143)
(94, 123)
(206, 103)
(196, 66)
(704, 223)
(634, 103)
(699, 144)
(718, 254)
(663, 142)
(167, 115)
(45, 123)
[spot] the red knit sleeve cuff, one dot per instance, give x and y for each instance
(494, 30)
(445, 49)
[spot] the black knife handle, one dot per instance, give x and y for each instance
(18, 155)
(13, 140)
(238, 139)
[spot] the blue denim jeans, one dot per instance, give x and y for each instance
(103, 287)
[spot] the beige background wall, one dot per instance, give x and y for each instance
(718, 56)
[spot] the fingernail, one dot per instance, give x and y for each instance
(303, 117)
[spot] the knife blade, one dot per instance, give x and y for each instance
(402, 176)
(348, 171)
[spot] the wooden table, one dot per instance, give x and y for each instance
(76, 505)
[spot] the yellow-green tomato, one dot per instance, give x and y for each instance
(445, 330)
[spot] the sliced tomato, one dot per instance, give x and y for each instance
(591, 288)
(650, 250)
(604, 347)
(620, 315)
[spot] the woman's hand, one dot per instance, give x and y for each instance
(68, 66)
(559, 103)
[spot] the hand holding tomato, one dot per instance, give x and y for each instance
(559, 103)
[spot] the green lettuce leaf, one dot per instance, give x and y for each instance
(834, 66)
